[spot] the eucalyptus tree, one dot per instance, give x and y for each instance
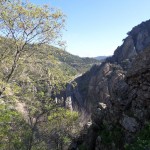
(24, 23)
(23, 28)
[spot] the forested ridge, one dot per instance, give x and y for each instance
(29, 97)
(32, 74)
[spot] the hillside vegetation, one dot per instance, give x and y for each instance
(79, 64)
(32, 74)
(30, 95)
(46, 62)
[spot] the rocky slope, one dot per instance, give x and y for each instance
(117, 93)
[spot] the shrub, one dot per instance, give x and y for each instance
(142, 140)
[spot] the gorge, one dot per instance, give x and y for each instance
(53, 100)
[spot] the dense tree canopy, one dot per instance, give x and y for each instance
(29, 117)
(24, 23)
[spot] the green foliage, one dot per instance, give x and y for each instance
(31, 73)
(66, 140)
(82, 147)
(74, 84)
(50, 122)
(79, 64)
(142, 141)
(13, 130)
(113, 135)
(28, 23)
(24, 23)
(63, 115)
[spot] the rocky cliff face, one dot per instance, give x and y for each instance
(138, 38)
(127, 110)
(117, 93)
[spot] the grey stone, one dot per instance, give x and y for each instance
(129, 124)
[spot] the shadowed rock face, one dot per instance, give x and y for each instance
(106, 81)
(138, 79)
(122, 85)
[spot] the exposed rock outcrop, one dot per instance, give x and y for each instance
(138, 38)
(117, 93)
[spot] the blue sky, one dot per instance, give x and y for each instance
(97, 27)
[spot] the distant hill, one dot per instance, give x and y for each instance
(45, 62)
(80, 64)
(100, 57)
